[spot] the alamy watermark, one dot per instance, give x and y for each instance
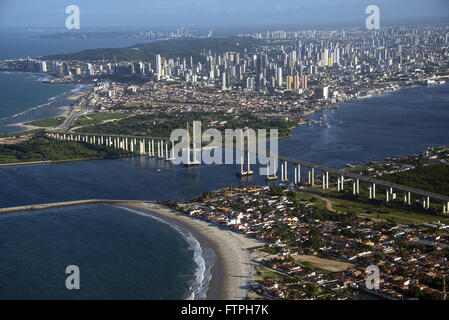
(73, 20)
(242, 141)
(373, 20)
(72, 282)
(373, 277)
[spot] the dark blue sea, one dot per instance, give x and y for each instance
(117, 248)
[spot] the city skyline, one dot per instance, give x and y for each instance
(250, 13)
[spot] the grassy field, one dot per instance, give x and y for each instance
(97, 118)
(379, 209)
(21, 134)
(47, 123)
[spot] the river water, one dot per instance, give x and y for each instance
(123, 255)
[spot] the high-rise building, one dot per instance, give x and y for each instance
(279, 77)
(304, 82)
(289, 82)
(296, 82)
(223, 81)
(158, 65)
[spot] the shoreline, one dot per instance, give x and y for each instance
(234, 270)
(13, 164)
(70, 96)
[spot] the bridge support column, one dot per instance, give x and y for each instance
(161, 149)
(342, 180)
(324, 181)
(167, 156)
(313, 177)
(284, 172)
(428, 203)
(248, 172)
(309, 181)
(299, 173)
(269, 175)
(446, 207)
(195, 161)
(142, 146)
(374, 191)
(370, 192)
(338, 184)
(296, 175)
(354, 188)
(409, 198)
(358, 186)
(172, 152)
(327, 180)
(387, 195)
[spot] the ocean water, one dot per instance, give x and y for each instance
(25, 98)
(120, 255)
(123, 254)
(17, 44)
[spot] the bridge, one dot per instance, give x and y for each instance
(163, 148)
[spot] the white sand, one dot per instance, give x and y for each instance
(238, 267)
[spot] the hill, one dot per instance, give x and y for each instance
(167, 48)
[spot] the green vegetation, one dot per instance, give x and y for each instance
(97, 118)
(21, 134)
(168, 48)
(162, 125)
(395, 212)
(42, 149)
(47, 123)
(433, 178)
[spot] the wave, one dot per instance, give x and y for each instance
(50, 100)
(27, 111)
(78, 88)
(204, 260)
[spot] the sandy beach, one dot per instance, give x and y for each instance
(232, 275)
(234, 270)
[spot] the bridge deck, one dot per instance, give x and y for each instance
(309, 165)
(366, 179)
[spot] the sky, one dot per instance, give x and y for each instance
(148, 13)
